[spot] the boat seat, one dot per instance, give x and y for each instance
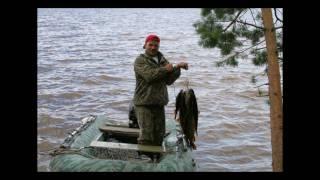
(120, 130)
(124, 131)
(127, 146)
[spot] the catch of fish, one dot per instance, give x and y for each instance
(186, 113)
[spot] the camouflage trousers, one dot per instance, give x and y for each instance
(151, 120)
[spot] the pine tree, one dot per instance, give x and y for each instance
(235, 31)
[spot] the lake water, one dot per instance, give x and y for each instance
(85, 66)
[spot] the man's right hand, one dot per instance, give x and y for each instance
(169, 67)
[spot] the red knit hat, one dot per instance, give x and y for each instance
(152, 38)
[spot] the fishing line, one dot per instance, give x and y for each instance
(187, 81)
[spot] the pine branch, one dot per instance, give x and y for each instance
(222, 21)
(219, 63)
(245, 11)
(245, 23)
(253, 17)
(233, 21)
(279, 27)
(279, 11)
(275, 13)
(238, 52)
(262, 85)
(261, 48)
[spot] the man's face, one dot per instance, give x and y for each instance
(152, 48)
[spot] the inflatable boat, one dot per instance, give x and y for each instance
(101, 145)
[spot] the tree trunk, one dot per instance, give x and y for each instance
(274, 91)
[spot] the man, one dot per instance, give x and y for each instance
(153, 73)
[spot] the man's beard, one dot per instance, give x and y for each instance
(152, 53)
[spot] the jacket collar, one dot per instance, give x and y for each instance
(160, 55)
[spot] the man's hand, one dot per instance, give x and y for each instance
(169, 67)
(183, 65)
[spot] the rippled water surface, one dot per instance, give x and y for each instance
(85, 66)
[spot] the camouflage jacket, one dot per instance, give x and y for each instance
(152, 79)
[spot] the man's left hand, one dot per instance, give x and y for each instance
(183, 65)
